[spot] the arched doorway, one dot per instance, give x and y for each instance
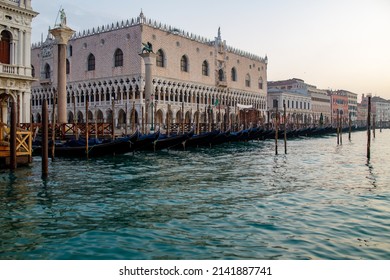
(39, 118)
(159, 117)
(134, 117)
(70, 117)
(80, 117)
(90, 116)
(179, 118)
(188, 117)
(99, 116)
(121, 118)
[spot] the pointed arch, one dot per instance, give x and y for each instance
(47, 71)
(248, 80)
(118, 58)
(67, 67)
(261, 83)
(184, 63)
(91, 62)
(205, 68)
(221, 75)
(234, 74)
(160, 58)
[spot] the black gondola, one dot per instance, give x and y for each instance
(200, 139)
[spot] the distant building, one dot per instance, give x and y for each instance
(15, 57)
(380, 110)
(320, 102)
(190, 72)
(339, 107)
(298, 108)
(304, 103)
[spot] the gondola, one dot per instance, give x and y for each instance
(72, 149)
(200, 139)
(220, 138)
(165, 142)
(145, 140)
(96, 147)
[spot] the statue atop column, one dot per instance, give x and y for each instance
(62, 17)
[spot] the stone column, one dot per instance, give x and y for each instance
(149, 59)
(62, 35)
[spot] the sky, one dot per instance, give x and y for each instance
(331, 44)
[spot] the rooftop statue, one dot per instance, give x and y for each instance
(148, 48)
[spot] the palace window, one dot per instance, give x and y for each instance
(247, 80)
(67, 66)
(118, 58)
(91, 62)
(234, 74)
(184, 64)
(221, 75)
(160, 58)
(33, 71)
(205, 68)
(70, 50)
(47, 71)
(261, 83)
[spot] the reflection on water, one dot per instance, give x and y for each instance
(371, 177)
(239, 201)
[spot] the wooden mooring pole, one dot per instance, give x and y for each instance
(341, 129)
(338, 128)
(369, 128)
(45, 139)
(350, 127)
(13, 162)
(276, 132)
(285, 127)
(86, 126)
(53, 129)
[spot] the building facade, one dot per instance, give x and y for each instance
(15, 57)
(296, 97)
(192, 76)
(298, 107)
(320, 102)
(380, 111)
(339, 107)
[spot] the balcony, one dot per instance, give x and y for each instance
(221, 83)
(15, 71)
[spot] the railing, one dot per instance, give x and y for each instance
(15, 1)
(64, 131)
(14, 70)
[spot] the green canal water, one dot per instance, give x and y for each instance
(237, 201)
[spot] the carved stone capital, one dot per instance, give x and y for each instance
(149, 58)
(62, 34)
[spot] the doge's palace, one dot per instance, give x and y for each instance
(193, 77)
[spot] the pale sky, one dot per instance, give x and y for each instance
(332, 44)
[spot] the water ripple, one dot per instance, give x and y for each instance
(237, 201)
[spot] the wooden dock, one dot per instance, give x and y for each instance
(23, 146)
